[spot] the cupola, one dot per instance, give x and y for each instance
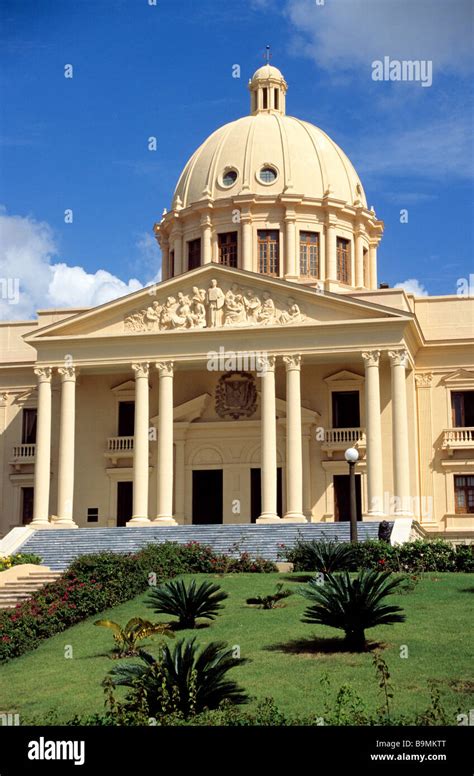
(267, 91)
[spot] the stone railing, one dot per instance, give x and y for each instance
(458, 438)
(120, 444)
(342, 438)
(22, 452)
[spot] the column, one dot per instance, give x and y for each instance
(206, 240)
(164, 514)
(178, 251)
(246, 223)
(375, 501)
(294, 449)
(291, 267)
(180, 479)
(401, 462)
(43, 450)
(268, 446)
(307, 504)
(165, 259)
(423, 382)
(66, 448)
(359, 258)
(373, 264)
(331, 266)
(140, 446)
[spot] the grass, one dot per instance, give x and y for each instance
(288, 658)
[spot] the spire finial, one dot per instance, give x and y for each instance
(268, 54)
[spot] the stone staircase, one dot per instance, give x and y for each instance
(59, 547)
(21, 587)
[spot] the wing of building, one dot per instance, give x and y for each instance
(230, 391)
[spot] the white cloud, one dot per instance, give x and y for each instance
(27, 250)
(346, 34)
(412, 286)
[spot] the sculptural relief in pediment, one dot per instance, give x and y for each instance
(214, 307)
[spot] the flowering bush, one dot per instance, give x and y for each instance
(15, 560)
(417, 556)
(102, 580)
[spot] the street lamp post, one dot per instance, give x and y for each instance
(352, 456)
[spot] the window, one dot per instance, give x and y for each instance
(126, 418)
(194, 254)
(92, 514)
(227, 244)
(27, 498)
(343, 253)
(464, 495)
(269, 252)
(345, 409)
(28, 432)
(265, 99)
(276, 99)
(267, 174)
(229, 178)
(309, 254)
(365, 261)
(462, 403)
(171, 274)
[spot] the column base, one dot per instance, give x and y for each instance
(137, 522)
(294, 517)
(268, 518)
(40, 525)
(62, 522)
(164, 520)
(374, 516)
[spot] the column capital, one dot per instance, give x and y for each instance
(165, 368)
(141, 369)
(68, 374)
(398, 358)
(43, 373)
(424, 380)
(371, 357)
(266, 363)
(292, 361)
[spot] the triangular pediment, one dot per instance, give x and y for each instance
(459, 377)
(344, 376)
(215, 297)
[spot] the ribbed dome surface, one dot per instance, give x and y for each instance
(306, 160)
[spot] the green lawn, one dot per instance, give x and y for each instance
(285, 662)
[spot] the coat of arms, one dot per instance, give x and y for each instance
(236, 395)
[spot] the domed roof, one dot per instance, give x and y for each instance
(268, 153)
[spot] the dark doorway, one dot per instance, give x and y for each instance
(126, 418)
(345, 409)
(342, 504)
(207, 496)
(462, 403)
(124, 502)
(27, 497)
(194, 254)
(28, 432)
(256, 493)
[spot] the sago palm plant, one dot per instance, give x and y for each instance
(182, 680)
(353, 604)
(127, 638)
(326, 556)
(187, 602)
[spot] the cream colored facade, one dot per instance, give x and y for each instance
(266, 332)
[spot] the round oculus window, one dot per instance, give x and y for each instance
(229, 178)
(268, 174)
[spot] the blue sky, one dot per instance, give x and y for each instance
(165, 70)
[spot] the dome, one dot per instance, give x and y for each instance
(268, 71)
(302, 159)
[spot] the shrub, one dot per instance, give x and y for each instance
(320, 555)
(181, 681)
(187, 601)
(411, 557)
(270, 601)
(353, 604)
(19, 559)
(127, 638)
